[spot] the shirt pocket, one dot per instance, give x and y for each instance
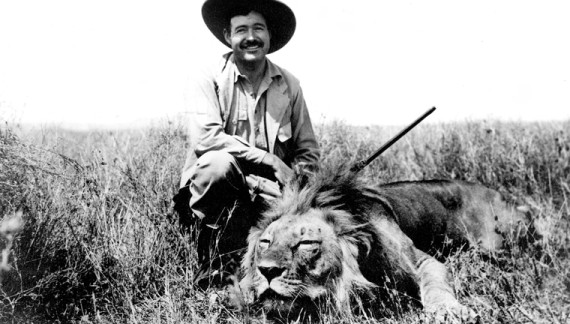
(242, 114)
(284, 133)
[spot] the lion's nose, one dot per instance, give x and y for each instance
(270, 271)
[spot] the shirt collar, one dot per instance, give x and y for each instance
(271, 70)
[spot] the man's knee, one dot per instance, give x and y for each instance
(215, 166)
(216, 181)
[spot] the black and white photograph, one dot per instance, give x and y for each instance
(284, 161)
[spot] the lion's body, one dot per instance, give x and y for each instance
(434, 212)
(336, 238)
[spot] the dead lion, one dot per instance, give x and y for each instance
(336, 238)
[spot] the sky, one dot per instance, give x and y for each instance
(83, 64)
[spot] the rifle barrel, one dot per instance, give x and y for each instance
(362, 164)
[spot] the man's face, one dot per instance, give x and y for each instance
(248, 37)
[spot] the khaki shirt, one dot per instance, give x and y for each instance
(219, 121)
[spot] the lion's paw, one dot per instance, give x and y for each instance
(454, 314)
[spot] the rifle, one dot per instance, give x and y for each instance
(358, 166)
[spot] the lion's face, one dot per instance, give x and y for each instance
(294, 258)
(297, 260)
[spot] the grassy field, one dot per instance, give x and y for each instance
(96, 241)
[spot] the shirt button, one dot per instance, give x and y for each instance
(234, 121)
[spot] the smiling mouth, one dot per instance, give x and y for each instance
(251, 48)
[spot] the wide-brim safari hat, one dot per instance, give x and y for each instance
(278, 16)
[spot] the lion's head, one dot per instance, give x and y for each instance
(308, 246)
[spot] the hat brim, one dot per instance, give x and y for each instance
(278, 16)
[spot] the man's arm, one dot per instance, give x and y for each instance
(206, 125)
(281, 171)
(303, 154)
(209, 132)
(307, 151)
(206, 128)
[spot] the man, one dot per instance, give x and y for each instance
(250, 125)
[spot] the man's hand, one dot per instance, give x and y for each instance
(264, 187)
(282, 172)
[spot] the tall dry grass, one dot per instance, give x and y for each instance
(100, 244)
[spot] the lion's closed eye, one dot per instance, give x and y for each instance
(309, 248)
(264, 243)
(309, 244)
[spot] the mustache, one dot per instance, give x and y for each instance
(252, 42)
